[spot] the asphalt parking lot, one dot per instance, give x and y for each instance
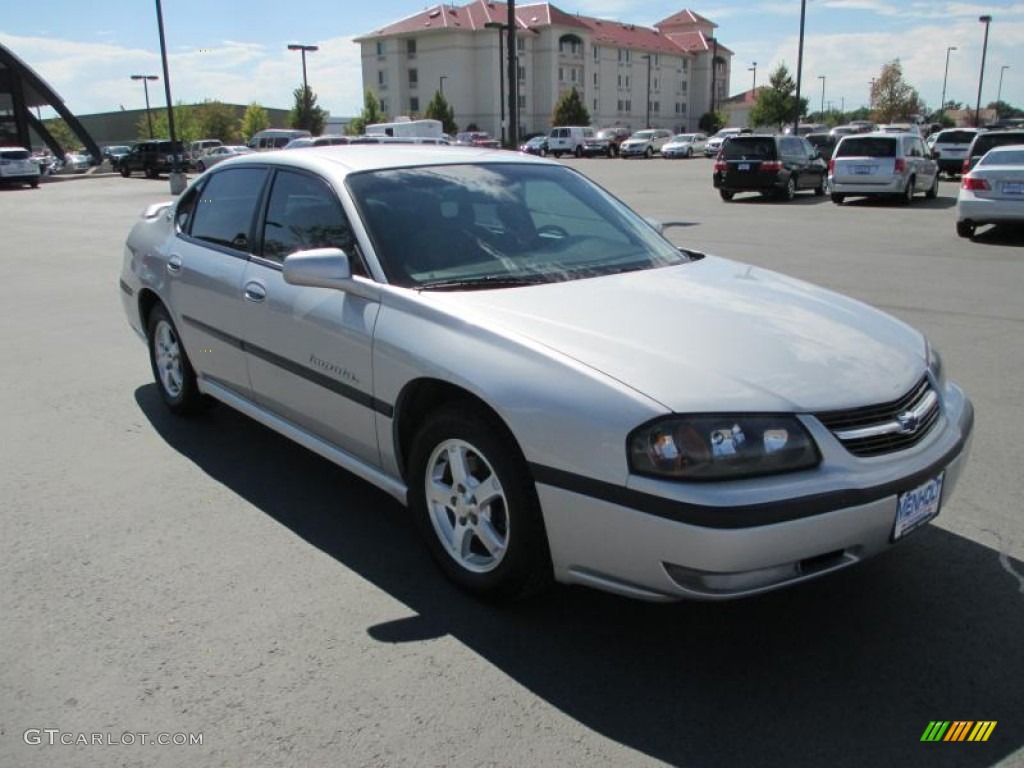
(210, 577)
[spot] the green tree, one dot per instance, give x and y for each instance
(440, 109)
(569, 110)
(894, 99)
(371, 114)
(217, 120)
(776, 103)
(186, 126)
(712, 122)
(253, 121)
(306, 114)
(1003, 109)
(63, 134)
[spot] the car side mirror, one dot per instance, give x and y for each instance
(326, 268)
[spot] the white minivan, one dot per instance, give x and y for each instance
(569, 140)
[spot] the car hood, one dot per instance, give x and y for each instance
(712, 335)
(637, 141)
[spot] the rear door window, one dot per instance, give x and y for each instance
(955, 137)
(743, 148)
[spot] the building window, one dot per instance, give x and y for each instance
(627, 81)
(682, 87)
(629, 105)
(414, 78)
(410, 48)
(595, 78)
(618, 105)
(520, 44)
(384, 106)
(597, 53)
(655, 60)
(623, 54)
(382, 78)
(414, 104)
(655, 106)
(686, 63)
(572, 73)
(522, 102)
(655, 83)
(595, 105)
(561, 75)
(380, 47)
(522, 73)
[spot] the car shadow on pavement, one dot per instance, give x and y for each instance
(920, 203)
(1000, 234)
(845, 671)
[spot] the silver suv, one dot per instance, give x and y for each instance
(882, 165)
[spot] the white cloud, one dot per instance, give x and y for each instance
(95, 77)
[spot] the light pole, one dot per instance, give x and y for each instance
(305, 84)
(999, 93)
(145, 86)
(942, 101)
(441, 80)
(714, 70)
(647, 122)
(502, 28)
(753, 69)
(822, 78)
(799, 69)
(986, 20)
(177, 175)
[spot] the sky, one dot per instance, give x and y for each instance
(236, 51)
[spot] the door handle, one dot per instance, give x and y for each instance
(255, 292)
(174, 264)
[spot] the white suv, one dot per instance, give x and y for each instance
(645, 143)
(894, 165)
(17, 166)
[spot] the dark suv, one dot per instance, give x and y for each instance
(771, 165)
(985, 140)
(152, 158)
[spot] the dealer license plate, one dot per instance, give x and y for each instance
(1013, 188)
(863, 170)
(916, 507)
(743, 167)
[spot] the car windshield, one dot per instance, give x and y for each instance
(645, 135)
(866, 147)
(683, 137)
(500, 224)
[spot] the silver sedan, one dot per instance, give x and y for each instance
(553, 388)
(215, 155)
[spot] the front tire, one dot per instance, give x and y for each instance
(172, 370)
(126, 171)
(648, 153)
(579, 151)
(822, 189)
(201, 166)
(476, 505)
(908, 193)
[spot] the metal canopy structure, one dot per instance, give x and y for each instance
(21, 89)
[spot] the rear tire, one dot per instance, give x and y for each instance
(908, 193)
(126, 171)
(475, 504)
(933, 193)
(837, 199)
(789, 191)
(822, 189)
(965, 229)
(726, 194)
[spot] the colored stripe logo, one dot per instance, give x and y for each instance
(958, 730)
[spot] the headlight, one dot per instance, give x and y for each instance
(936, 369)
(721, 446)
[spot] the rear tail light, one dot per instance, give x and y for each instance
(899, 166)
(720, 166)
(771, 166)
(967, 165)
(973, 183)
(832, 166)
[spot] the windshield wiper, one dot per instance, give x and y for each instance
(486, 281)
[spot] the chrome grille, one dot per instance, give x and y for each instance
(874, 430)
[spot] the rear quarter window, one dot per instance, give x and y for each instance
(866, 147)
(955, 137)
(14, 154)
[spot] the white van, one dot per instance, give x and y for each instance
(407, 129)
(274, 138)
(569, 139)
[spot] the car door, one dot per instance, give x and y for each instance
(309, 349)
(815, 169)
(928, 168)
(206, 265)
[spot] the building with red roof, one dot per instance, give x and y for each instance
(623, 72)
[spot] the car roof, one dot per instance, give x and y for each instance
(341, 160)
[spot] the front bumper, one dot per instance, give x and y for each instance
(635, 151)
(601, 538)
